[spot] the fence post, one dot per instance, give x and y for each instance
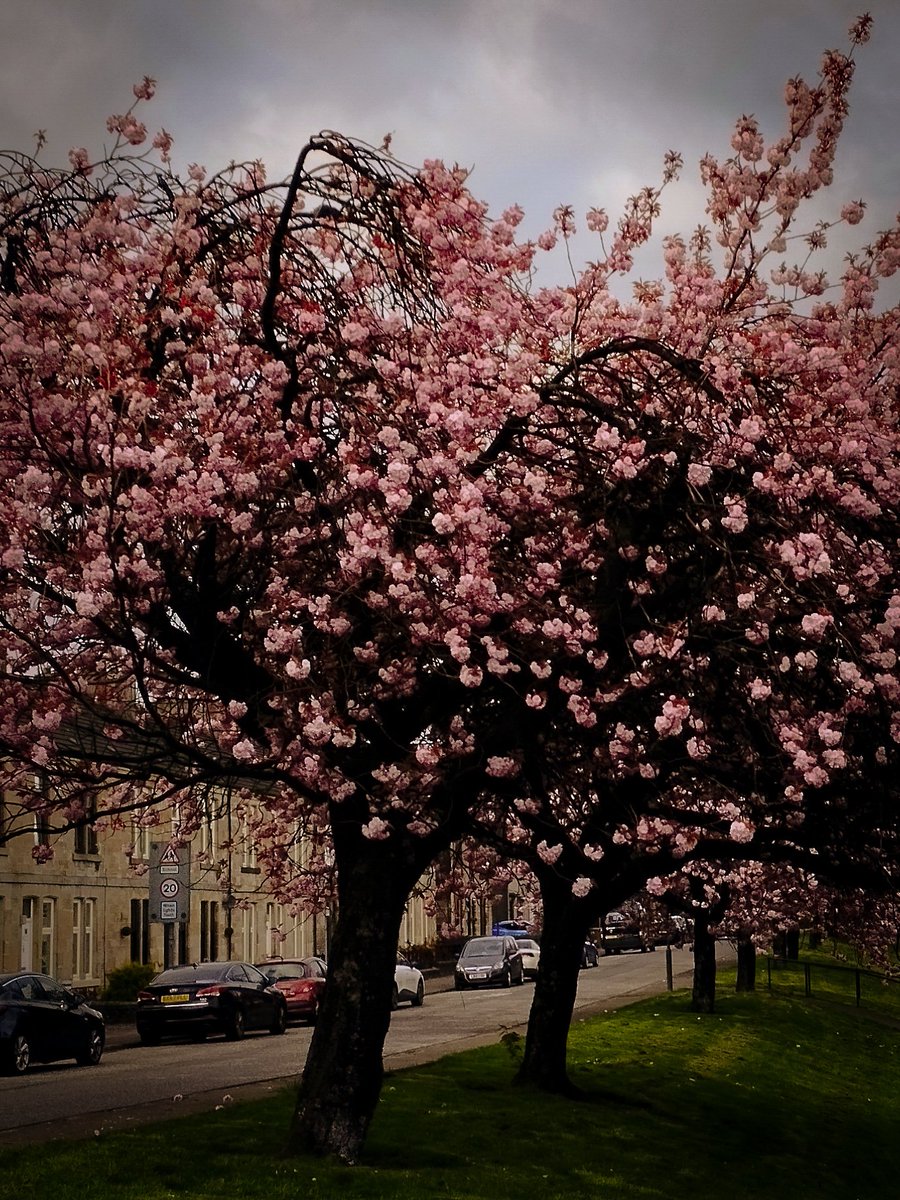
(670, 986)
(858, 987)
(807, 979)
(769, 969)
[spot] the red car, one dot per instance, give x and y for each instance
(300, 980)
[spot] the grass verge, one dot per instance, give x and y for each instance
(774, 1097)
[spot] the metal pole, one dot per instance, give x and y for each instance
(669, 982)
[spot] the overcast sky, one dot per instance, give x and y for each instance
(548, 101)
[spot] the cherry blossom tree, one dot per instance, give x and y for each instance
(309, 493)
(742, 435)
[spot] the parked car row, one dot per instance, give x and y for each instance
(233, 997)
(41, 1020)
(209, 997)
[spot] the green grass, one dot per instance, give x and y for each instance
(774, 1096)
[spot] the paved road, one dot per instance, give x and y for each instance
(135, 1083)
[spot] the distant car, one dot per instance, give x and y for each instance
(619, 932)
(516, 929)
(487, 960)
(41, 1020)
(590, 956)
(531, 956)
(409, 983)
(301, 981)
(212, 997)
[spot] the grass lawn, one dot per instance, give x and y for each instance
(775, 1096)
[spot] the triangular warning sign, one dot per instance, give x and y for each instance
(169, 857)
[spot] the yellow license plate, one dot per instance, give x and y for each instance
(179, 999)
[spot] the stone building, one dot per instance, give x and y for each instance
(85, 911)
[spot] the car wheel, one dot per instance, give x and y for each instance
(234, 1029)
(507, 978)
(314, 1015)
(92, 1051)
(149, 1037)
(18, 1056)
(279, 1021)
(395, 999)
(419, 998)
(458, 984)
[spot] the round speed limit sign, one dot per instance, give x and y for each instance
(169, 888)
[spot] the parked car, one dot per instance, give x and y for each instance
(620, 931)
(300, 980)
(41, 1020)
(486, 960)
(409, 983)
(590, 956)
(211, 997)
(516, 929)
(531, 956)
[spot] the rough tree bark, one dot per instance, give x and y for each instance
(703, 996)
(342, 1079)
(567, 921)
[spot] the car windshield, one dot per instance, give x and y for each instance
(483, 948)
(286, 970)
(205, 973)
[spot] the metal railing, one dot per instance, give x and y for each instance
(842, 981)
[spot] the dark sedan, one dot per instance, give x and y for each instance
(212, 997)
(487, 960)
(43, 1021)
(300, 980)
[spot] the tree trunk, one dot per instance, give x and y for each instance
(342, 1078)
(746, 966)
(703, 998)
(567, 921)
(792, 943)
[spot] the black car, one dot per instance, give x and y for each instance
(42, 1021)
(486, 960)
(211, 997)
(622, 931)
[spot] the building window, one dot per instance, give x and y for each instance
(248, 851)
(209, 930)
(85, 833)
(140, 931)
(48, 936)
(274, 929)
(41, 830)
(4, 823)
(141, 837)
(207, 840)
(249, 933)
(83, 913)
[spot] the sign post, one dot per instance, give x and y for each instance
(170, 891)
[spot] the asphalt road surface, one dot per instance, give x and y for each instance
(136, 1083)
